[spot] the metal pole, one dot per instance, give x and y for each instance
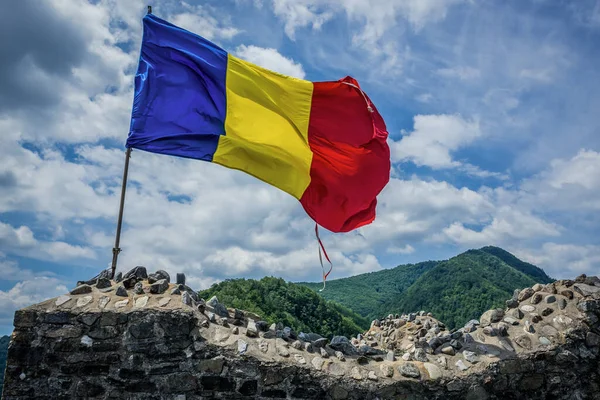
(149, 9)
(116, 250)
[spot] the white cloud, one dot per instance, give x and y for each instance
(507, 226)
(271, 59)
(197, 20)
(434, 139)
(21, 241)
(376, 16)
(406, 249)
(26, 293)
(462, 73)
(582, 170)
(563, 260)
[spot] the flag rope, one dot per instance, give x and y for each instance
(321, 247)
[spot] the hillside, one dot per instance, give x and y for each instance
(367, 293)
(528, 269)
(3, 350)
(461, 288)
(296, 306)
(455, 290)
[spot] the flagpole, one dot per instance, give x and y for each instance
(116, 250)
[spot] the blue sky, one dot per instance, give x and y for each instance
(491, 109)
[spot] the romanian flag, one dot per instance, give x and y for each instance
(322, 142)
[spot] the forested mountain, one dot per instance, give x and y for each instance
(3, 350)
(366, 293)
(294, 305)
(465, 286)
(455, 290)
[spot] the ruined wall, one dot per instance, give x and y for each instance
(151, 348)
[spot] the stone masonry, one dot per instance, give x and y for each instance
(142, 337)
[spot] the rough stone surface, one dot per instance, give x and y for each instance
(151, 347)
(409, 370)
(82, 289)
(159, 286)
(159, 275)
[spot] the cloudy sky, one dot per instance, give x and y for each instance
(492, 109)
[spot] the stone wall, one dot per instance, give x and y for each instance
(148, 350)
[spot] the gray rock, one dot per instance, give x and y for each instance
(237, 314)
(297, 344)
(529, 327)
(390, 356)
(491, 316)
(121, 291)
(82, 289)
(449, 350)
(420, 355)
(251, 329)
(341, 343)
(309, 337)
(549, 331)
(535, 318)
(537, 287)
(323, 352)
(62, 300)
(562, 303)
(318, 362)
(221, 310)
(511, 321)
(103, 283)
(288, 333)
(409, 370)
(544, 341)
(471, 326)
(524, 341)
(461, 365)
(119, 277)
(592, 339)
(550, 298)
(138, 272)
(282, 351)
(213, 301)
(138, 288)
(505, 345)
(186, 299)
(503, 329)
(536, 298)
(242, 346)
(368, 350)
(547, 311)
(262, 326)
(567, 293)
(175, 291)
(434, 343)
(525, 294)
(320, 343)
(308, 347)
(586, 290)
(159, 275)
(527, 308)
(159, 287)
(490, 331)
(470, 356)
(211, 317)
(512, 303)
(340, 356)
